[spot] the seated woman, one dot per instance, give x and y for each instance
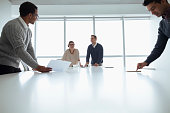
(72, 55)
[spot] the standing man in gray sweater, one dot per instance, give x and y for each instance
(15, 42)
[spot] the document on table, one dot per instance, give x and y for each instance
(59, 65)
(133, 71)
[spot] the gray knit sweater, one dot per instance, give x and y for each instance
(15, 44)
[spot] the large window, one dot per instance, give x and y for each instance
(137, 37)
(52, 36)
(49, 38)
(32, 27)
(80, 32)
(109, 33)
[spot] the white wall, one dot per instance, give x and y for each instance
(5, 12)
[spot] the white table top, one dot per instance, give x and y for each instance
(85, 90)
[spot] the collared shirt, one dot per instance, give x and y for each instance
(94, 45)
(23, 23)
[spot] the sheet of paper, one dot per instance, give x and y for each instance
(109, 67)
(133, 71)
(59, 65)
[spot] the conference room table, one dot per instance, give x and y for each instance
(86, 90)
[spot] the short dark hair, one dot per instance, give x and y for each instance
(26, 8)
(94, 36)
(70, 43)
(147, 2)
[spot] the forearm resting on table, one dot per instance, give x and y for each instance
(26, 57)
